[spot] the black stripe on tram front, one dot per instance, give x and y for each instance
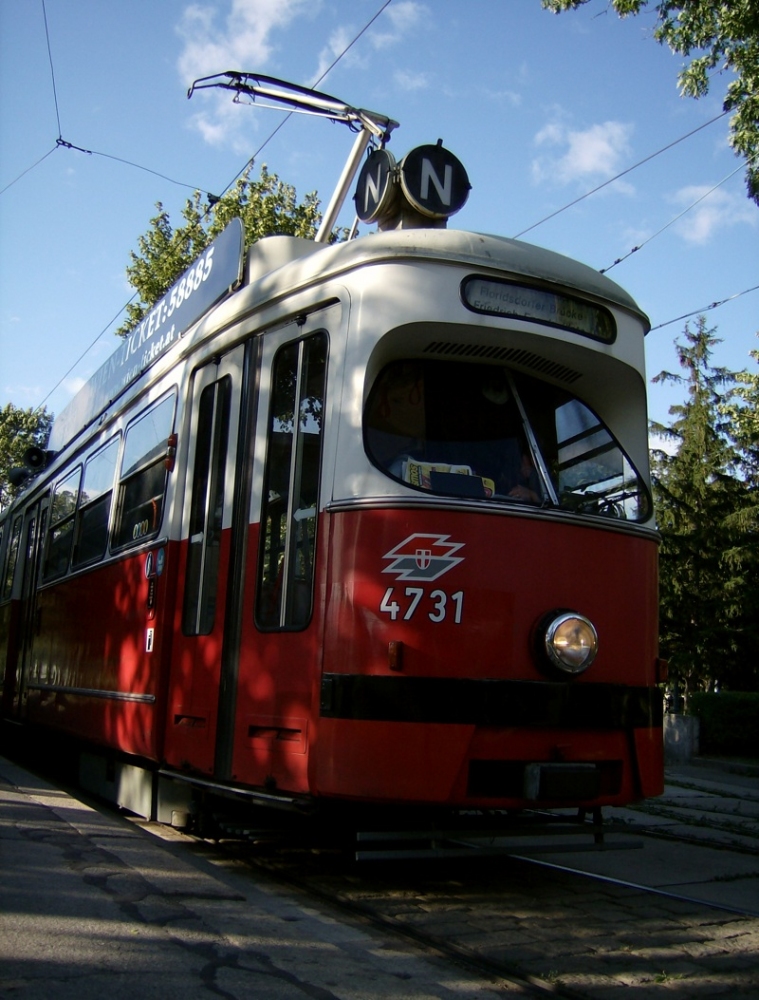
(531, 704)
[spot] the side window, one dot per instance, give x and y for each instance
(291, 485)
(11, 559)
(142, 483)
(207, 508)
(95, 504)
(61, 531)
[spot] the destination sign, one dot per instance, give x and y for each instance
(207, 279)
(507, 298)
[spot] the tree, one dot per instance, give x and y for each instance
(19, 430)
(723, 36)
(266, 206)
(741, 410)
(708, 630)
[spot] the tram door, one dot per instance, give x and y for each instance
(209, 558)
(281, 623)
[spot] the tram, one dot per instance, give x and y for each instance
(358, 523)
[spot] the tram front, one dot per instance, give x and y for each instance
(491, 585)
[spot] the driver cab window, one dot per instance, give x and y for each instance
(489, 433)
(452, 429)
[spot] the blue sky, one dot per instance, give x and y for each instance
(540, 109)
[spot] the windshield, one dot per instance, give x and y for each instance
(489, 433)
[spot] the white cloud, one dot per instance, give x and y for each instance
(593, 154)
(404, 17)
(338, 42)
(657, 442)
(73, 385)
(718, 210)
(242, 42)
(396, 24)
(407, 80)
(504, 97)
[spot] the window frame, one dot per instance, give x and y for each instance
(86, 507)
(58, 523)
(628, 501)
(149, 462)
(288, 615)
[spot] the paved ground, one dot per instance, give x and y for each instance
(92, 906)
(711, 805)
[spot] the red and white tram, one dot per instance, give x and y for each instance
(375, 528)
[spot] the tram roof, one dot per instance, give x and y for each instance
(480, 250)
(281, 264)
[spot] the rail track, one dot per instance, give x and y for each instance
(539, 926)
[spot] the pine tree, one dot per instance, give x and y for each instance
(741, 411)
(699, 496)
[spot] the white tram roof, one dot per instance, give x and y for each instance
(280, 265)
(493, 253)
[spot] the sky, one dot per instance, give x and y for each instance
(96, 128)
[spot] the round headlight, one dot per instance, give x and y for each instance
(570, 642)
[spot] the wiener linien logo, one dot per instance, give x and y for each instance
(423, 557)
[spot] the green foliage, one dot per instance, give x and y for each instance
(709, 590)
(720, 37)
(729, 722)
(266, 206)
(19, 430)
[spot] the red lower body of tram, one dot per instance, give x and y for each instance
(418, 680)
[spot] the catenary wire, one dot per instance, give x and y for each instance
(28, 169)
(697, 312)
(64, 144)
(52, 70)
(628, 170)
(129, 163)
(676, 218)
(250, 161)
(85, 352)
(316, 83)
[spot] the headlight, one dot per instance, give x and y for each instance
(570, 641)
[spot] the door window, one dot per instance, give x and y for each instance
(207, 508)
(291, 485)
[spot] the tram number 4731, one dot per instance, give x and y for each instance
(438, 605)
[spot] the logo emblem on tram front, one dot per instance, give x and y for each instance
(423, 557)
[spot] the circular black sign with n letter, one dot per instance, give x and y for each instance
(375, 188)
(434, 181)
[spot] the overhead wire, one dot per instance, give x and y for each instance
(611, 180)
(676, 218)
(52, 68)
(85, 352)
(28, 169)
(215, 198)
(62, 143)
(251, 160)
(623, 173)
(698, 312)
